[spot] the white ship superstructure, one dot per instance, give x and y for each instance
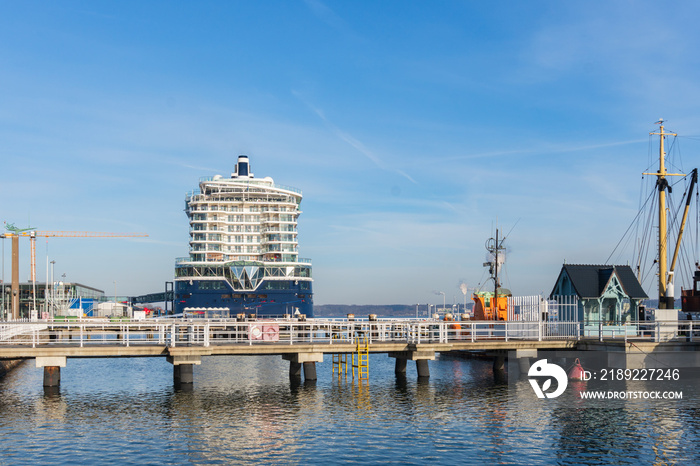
(244, 247)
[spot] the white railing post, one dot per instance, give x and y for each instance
(81, 326)
(691, 330)
(206, 334)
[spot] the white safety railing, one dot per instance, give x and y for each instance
(201, 332)
(655, 331)
(9, 331)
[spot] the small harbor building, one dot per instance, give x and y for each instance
(605, 293)
(61, 298)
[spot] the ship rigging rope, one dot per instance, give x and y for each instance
(628, 229)
(647, 239)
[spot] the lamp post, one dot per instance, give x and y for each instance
(443, 300)
(2, 313)
(53, 291)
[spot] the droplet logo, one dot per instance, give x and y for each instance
(543, 370)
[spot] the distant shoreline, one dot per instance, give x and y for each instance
(363, 310)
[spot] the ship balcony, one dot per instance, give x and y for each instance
(206, 248)
(280, 229)
(275, 248)
(279, 238)
(267, 222)
(285, 258)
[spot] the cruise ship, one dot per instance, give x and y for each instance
(244, 255)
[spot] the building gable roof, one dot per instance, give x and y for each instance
(590, 281)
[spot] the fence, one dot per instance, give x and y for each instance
(200, 332)
(317, 331)
(537, 308)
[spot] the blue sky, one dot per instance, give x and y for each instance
(413, 128)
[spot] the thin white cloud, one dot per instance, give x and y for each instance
(328, 16)
(351, 140)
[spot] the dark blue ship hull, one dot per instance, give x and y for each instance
(270, 299)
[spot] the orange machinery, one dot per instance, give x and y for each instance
(488, 308)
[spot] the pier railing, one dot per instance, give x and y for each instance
(200, 332)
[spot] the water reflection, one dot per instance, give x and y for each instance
(247, 409)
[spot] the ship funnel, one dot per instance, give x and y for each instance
(243, 167)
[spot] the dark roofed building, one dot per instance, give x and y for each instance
(608, 293)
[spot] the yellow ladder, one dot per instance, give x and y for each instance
(362, 352)
(340, 361)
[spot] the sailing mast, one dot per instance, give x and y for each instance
(666, 300)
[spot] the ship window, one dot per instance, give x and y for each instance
(277, 285)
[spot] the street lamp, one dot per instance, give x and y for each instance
(2, 313)
(53, 291)
(443, 300)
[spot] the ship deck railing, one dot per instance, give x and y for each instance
(201, 332)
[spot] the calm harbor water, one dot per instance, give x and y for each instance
(244, 409)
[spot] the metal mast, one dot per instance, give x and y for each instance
(493, 246)
(665, 279)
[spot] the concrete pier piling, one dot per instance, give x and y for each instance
(400, 367)
(309, 370)
(183, 374)
(499, 363)
(52, 369)
(294, 370)
(183, 368)
(423, 368)
(52, 376)
(306, 360)
(421, 357)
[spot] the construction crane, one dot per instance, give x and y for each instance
(14, 233)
